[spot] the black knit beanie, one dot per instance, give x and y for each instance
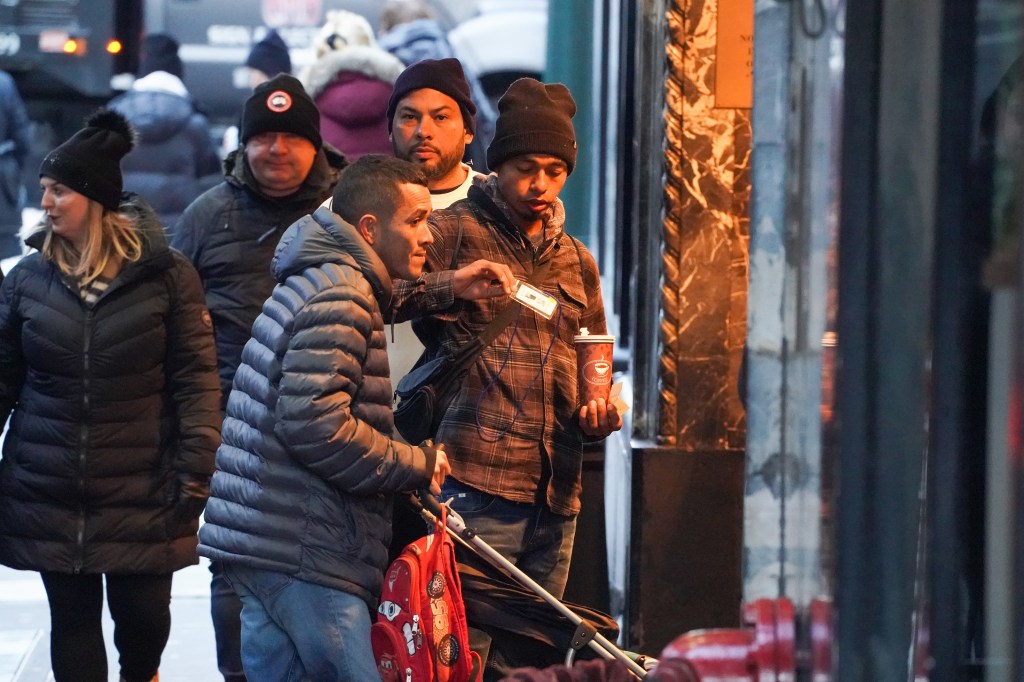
(160, 53)
(90, 161)
(534, 118)
(281, 105)
(270, 55)
(444, 75)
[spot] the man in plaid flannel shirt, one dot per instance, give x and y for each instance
(515, 431)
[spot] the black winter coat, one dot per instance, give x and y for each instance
(114, 415)
(175, 159)
(306, 471)
(230, 233)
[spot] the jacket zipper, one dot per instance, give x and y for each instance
(83, 441)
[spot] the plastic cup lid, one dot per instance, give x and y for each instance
(586, 337)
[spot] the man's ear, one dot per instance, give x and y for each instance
(469, 136)
(367, 227)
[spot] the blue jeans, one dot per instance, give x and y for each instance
(294, 630)
(535, 539)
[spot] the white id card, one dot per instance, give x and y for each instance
(535, 299)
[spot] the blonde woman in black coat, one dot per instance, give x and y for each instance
(108, 375)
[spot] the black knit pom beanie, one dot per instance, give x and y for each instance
(90, 161)
(534, 118)
(281, 105)
(444, 75)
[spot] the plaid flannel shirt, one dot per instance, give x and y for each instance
(513, 422)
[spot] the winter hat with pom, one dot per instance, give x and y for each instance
(341, 30)
(90, 161)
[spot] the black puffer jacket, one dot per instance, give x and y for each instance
(114, 415)
(175, 159)
(230, 233)
(306, 471)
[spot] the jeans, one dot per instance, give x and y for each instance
(140, 606)
(535, 539)
(225, 610)
(294, 630)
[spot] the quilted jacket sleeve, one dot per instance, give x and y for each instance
(323, 371)
(192, 376)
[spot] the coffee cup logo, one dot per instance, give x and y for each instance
(598, 372)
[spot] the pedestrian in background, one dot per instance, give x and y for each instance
(268, 58)
(107, 371)
(175, 159)
(410, 31)
(281, 172)
(431, 118)
(15, 140)
(351, 82)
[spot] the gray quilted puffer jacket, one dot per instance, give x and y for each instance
(307, 468)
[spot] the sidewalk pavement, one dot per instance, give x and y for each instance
(25, 630)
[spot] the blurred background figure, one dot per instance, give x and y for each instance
(351, 81)
(15, 138)
(109, 376)
(409, 30)
(268, 58)
(175, 159)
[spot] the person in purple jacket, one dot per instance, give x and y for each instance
(351, 82)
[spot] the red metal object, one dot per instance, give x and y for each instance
(764, 651)
(714, 654)
(774, 648)
(821, 640)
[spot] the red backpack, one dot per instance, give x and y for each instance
(421, 633)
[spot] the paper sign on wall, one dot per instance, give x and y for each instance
(734, 55)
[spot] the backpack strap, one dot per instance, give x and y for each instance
(458, 245)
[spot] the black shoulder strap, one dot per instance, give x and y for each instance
(579, 254)
(468, 353)
(458, 245)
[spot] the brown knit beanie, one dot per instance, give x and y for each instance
(89, 162)
(534, 118)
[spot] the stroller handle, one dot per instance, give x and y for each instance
(427, 506)
(424, 500)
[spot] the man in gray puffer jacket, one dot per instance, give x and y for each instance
(300, 506)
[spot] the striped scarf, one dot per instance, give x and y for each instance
(92, 291)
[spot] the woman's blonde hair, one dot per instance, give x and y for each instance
(111, 236)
